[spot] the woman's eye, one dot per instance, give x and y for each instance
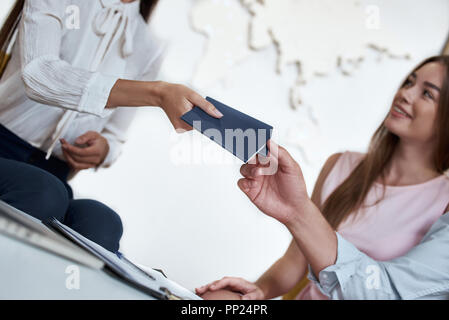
(428, 94)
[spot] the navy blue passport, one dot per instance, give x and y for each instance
(236, 132)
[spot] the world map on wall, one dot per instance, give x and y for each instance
(319, 36)
(313, 41)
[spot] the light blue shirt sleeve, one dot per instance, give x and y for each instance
(422, 273)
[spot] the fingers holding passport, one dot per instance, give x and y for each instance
(261, 165)
(253, 178)
(202, 103)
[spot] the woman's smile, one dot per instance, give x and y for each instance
(399, 112)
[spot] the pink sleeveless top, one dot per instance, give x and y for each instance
(392, 227)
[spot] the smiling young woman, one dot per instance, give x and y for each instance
(383, 201)
(418, 132)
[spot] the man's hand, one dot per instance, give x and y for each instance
(231, 285)
(89, 152)
(283, 196)
(221, 295)
(280, 195)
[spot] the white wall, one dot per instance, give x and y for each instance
(190, 219)
(5, 6)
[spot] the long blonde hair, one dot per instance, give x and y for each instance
(347, 198)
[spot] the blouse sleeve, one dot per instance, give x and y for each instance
(155, 61)
(115, 132)
(116, 128)
(49, 79)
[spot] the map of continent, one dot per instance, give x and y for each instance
(318, 37)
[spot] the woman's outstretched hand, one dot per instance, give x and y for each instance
(248, 290)
(280, 192)
(176, 100)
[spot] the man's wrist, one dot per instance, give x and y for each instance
(301, 215)
(314, 236)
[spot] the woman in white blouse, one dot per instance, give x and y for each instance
(74, 63)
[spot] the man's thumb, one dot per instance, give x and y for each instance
(281, 156)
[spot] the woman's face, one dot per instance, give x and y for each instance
(413, 112)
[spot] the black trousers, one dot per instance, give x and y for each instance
(39, 188)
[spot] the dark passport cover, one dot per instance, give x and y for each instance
(236, 132)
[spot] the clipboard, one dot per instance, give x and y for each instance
(154, 283)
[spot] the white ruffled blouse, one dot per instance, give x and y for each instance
(58, 80)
